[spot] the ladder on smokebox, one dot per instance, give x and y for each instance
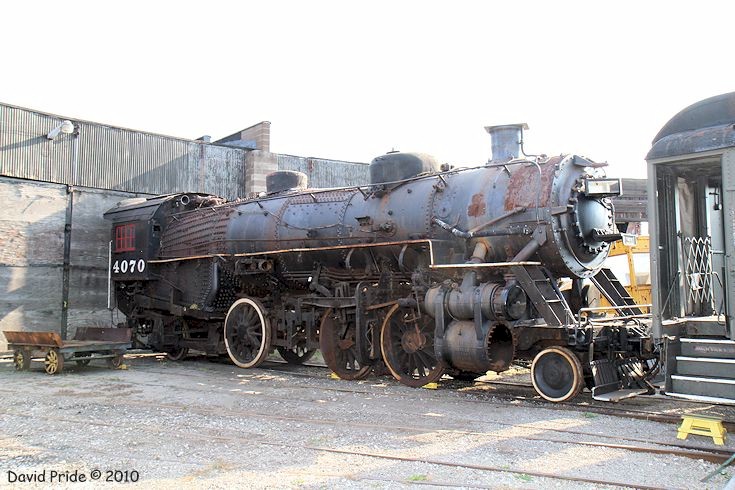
(545, 295)
(615, 293)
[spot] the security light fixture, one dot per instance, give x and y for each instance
(66, 127)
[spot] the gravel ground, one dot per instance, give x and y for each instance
(210, 425)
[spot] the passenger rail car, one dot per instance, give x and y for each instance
(426, 270)
(691, 171)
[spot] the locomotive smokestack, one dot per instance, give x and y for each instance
(506, 140)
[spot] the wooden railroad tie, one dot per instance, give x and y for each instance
(702, 426)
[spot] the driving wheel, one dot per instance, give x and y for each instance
(337, 341)
(407, 341)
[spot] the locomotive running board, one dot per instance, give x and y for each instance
(401, 243)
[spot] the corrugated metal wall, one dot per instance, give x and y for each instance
(107, 157)
(327, 173)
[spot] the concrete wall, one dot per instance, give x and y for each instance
(33, 239)
(256, 137)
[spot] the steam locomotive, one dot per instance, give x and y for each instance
(427, 270)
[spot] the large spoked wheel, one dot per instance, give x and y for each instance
(407, 342)
(247, 333)
(53, 363)
(21, 360)
(177, 353)
(298, 355)
(337, 342)
(556, 374)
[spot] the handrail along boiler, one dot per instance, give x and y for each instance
(427, 270)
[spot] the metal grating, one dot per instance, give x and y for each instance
(698, 272)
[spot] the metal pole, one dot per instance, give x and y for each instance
(109, 275)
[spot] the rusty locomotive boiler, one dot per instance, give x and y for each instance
(424, 271)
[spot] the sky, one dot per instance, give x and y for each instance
(352, 79)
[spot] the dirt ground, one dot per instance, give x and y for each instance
(201, 424)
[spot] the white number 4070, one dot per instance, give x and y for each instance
(128, 266)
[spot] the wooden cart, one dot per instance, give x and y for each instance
(89, 344)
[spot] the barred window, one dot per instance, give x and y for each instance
(125, 238)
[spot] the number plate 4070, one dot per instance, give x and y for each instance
(130, 266)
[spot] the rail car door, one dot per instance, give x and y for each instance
(691, 243)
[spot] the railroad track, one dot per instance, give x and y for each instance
(716, 456)
(371, 454)
(531, 399)
(586, 406)
(631, 444)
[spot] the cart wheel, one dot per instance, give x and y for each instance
(53, 363)
(115, 362)
(84, 362)
(21, 360)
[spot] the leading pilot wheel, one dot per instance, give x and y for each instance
(556, 374)
(407, 341)
(247, 333)
(338, 343)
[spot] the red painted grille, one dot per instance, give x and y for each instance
(125, 238)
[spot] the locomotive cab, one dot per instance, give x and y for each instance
(135, 237)
(138, 232)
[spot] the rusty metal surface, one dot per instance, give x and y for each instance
(477, 207)
(527, 187)
(86, 339)
(696, 141)
(196, 233)
(45, 339)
